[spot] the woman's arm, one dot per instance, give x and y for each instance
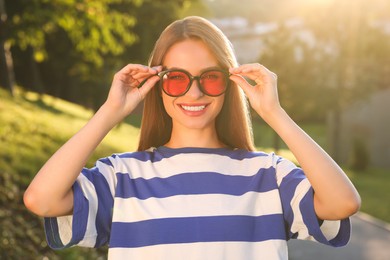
(335, 197)
(50, 192)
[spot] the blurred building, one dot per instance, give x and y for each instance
(248, 39)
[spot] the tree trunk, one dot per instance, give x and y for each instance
(36, 80)
(7, 79)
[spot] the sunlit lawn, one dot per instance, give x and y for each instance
(373, 186)
(32, 129)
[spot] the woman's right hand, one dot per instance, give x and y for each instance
(125, 92)
(50, 193)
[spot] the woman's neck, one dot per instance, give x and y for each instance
(204, 138)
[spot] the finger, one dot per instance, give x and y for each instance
(250, 68)
(241, 82)
(142, 75)
(158, 68)
(255, 72)
(250, 75)
(131, 68)
(134, 74)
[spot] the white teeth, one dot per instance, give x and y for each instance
(193, 108)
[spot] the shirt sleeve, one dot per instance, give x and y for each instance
(298, 209)
(89, 226)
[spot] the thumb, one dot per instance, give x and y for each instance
(147, 85)
(242, 83)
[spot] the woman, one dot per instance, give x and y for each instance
(196, 188)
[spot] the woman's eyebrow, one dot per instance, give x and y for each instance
(211, 68)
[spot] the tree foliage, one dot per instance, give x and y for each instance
(356, 46)
(337, 55)
(94, 27)
(71, 48)
(353, 37)
(291, 57)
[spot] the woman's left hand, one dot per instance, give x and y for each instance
(263, 96)
(335, 197)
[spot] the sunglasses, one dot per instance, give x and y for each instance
(176, 82)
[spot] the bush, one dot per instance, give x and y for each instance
(22, 233)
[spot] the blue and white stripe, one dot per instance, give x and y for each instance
(230, 202)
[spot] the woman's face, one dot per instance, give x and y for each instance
(194, 110)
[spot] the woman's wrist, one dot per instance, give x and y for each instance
(109, 116)
(273, 116)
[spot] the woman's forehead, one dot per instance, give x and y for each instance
(190, 55)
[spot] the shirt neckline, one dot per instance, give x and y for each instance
(165, 149)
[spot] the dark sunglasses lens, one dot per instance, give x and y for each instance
(175, 83)
(214, 82)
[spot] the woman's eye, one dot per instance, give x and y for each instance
(176, 76)
(211, 76)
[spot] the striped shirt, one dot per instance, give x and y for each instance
(193, 203)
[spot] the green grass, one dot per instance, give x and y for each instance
(265, 137)
(373, 186)
(32, 128)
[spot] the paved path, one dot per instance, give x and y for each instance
(370, 240)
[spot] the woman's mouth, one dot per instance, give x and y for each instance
(193, 108)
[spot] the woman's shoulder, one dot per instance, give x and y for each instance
(134, 155)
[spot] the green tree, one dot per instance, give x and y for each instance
(71, 48)
(290, 55)
(355, 51)
(344, 60)
(6, 66)
(94, 29)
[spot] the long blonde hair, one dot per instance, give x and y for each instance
(233, 123)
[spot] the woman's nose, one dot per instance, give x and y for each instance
(194, 90)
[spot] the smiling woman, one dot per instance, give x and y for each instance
(195, 186)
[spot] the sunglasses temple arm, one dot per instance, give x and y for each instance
(143, 82)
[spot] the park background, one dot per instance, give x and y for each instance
(57, 59)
